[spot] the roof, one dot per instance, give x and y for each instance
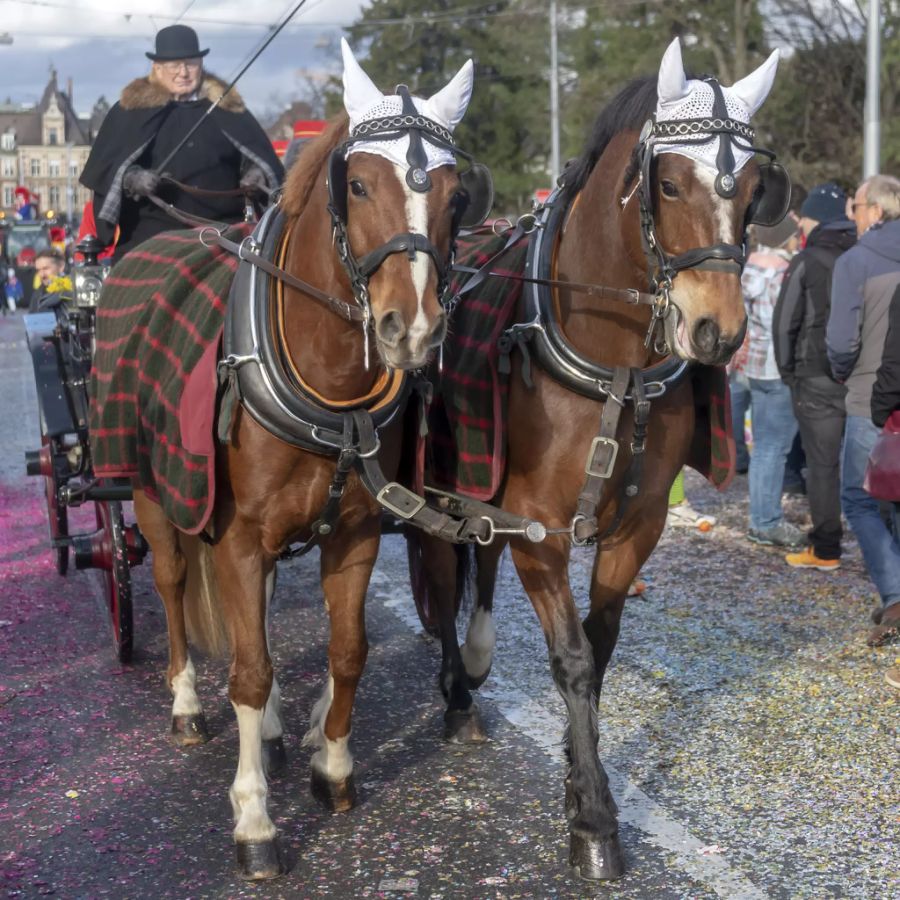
(27, 122)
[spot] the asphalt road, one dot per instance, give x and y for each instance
(751, 739)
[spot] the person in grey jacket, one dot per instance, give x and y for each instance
(865, 279)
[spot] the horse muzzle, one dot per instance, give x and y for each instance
(408, 347)
(702, 341)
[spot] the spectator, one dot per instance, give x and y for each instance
(24, 206)
(13, 292)
(865, 279)
(886, 400)
(801, 317)
(48, 270)
(739, 388)
(773, 422)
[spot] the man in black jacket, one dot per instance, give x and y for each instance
(798, 328)
(228, 150)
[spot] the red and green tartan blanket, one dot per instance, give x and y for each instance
(153, 383)
(466, 450)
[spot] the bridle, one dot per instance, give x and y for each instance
(471, 207)
(768, 207)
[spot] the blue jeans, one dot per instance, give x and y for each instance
(880, 549)
(740, 403)
(774, 427)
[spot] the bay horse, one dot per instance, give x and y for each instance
(642, 247)
(368, 216)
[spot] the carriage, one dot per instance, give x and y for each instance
(61, 342)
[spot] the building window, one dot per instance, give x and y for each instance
(52, 136)
(7, 196)
(54, 168)
(73, 169)
(9, 167)
(35, 168)
(8, 141)
(54, 197)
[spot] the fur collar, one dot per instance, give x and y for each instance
(143, 93)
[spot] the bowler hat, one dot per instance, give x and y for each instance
(176, 42)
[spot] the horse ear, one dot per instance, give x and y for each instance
(360, 94)
(672, 86)
(753, 90)
(449, 104)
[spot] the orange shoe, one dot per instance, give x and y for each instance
(807, 559)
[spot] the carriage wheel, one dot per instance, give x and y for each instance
(116, 575)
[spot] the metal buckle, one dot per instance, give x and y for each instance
(600, 441)
(406, 505)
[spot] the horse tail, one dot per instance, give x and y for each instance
(465, 572)
(202, 613)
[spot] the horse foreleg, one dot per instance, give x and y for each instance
(188, 725)
(481, 636)
(241, 574)
(274, 756)
(614, 570)
(346, 564)
(595, 851)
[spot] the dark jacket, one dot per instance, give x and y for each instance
(801, 312)
(886, 390)
(865, 279)
(143, 128)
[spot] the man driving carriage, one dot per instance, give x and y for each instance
(229, 152)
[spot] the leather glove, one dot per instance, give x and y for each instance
(139, 182)
(254, 179)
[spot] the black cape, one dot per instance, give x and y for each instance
(143, 128)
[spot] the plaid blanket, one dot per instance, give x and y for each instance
(153, 383)
(467, 419)
(466, 450)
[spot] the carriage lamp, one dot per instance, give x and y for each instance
(90, 274)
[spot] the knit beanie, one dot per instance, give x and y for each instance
(825, 203)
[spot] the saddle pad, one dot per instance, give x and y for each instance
(153, 383)
(467, 419)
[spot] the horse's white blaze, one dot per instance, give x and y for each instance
(186, 702)
(478, 650)
(332, 758)
(724, 209)
(417, 220)
(248, 792)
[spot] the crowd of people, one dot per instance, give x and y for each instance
(822, 360)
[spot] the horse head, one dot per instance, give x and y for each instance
(395, 189)
(701, 185)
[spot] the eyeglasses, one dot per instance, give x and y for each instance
(853, 206)
(174, 67)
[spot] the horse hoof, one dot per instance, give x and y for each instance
(464, 726)
(335, 796)
(259, 861)
(274, 756)
(188, 731)
(594, 859)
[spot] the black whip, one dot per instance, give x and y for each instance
(159, 169)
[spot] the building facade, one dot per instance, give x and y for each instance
(44, 148)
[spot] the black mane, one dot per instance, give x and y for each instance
(628, 110)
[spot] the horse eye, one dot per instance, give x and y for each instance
(668, 188)
(357, 189)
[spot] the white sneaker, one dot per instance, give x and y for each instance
(683, 515)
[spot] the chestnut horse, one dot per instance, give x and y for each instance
(394, 196)
(649, 216)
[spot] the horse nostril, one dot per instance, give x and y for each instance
(438, 331)
(706, 335)
(391, 328)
